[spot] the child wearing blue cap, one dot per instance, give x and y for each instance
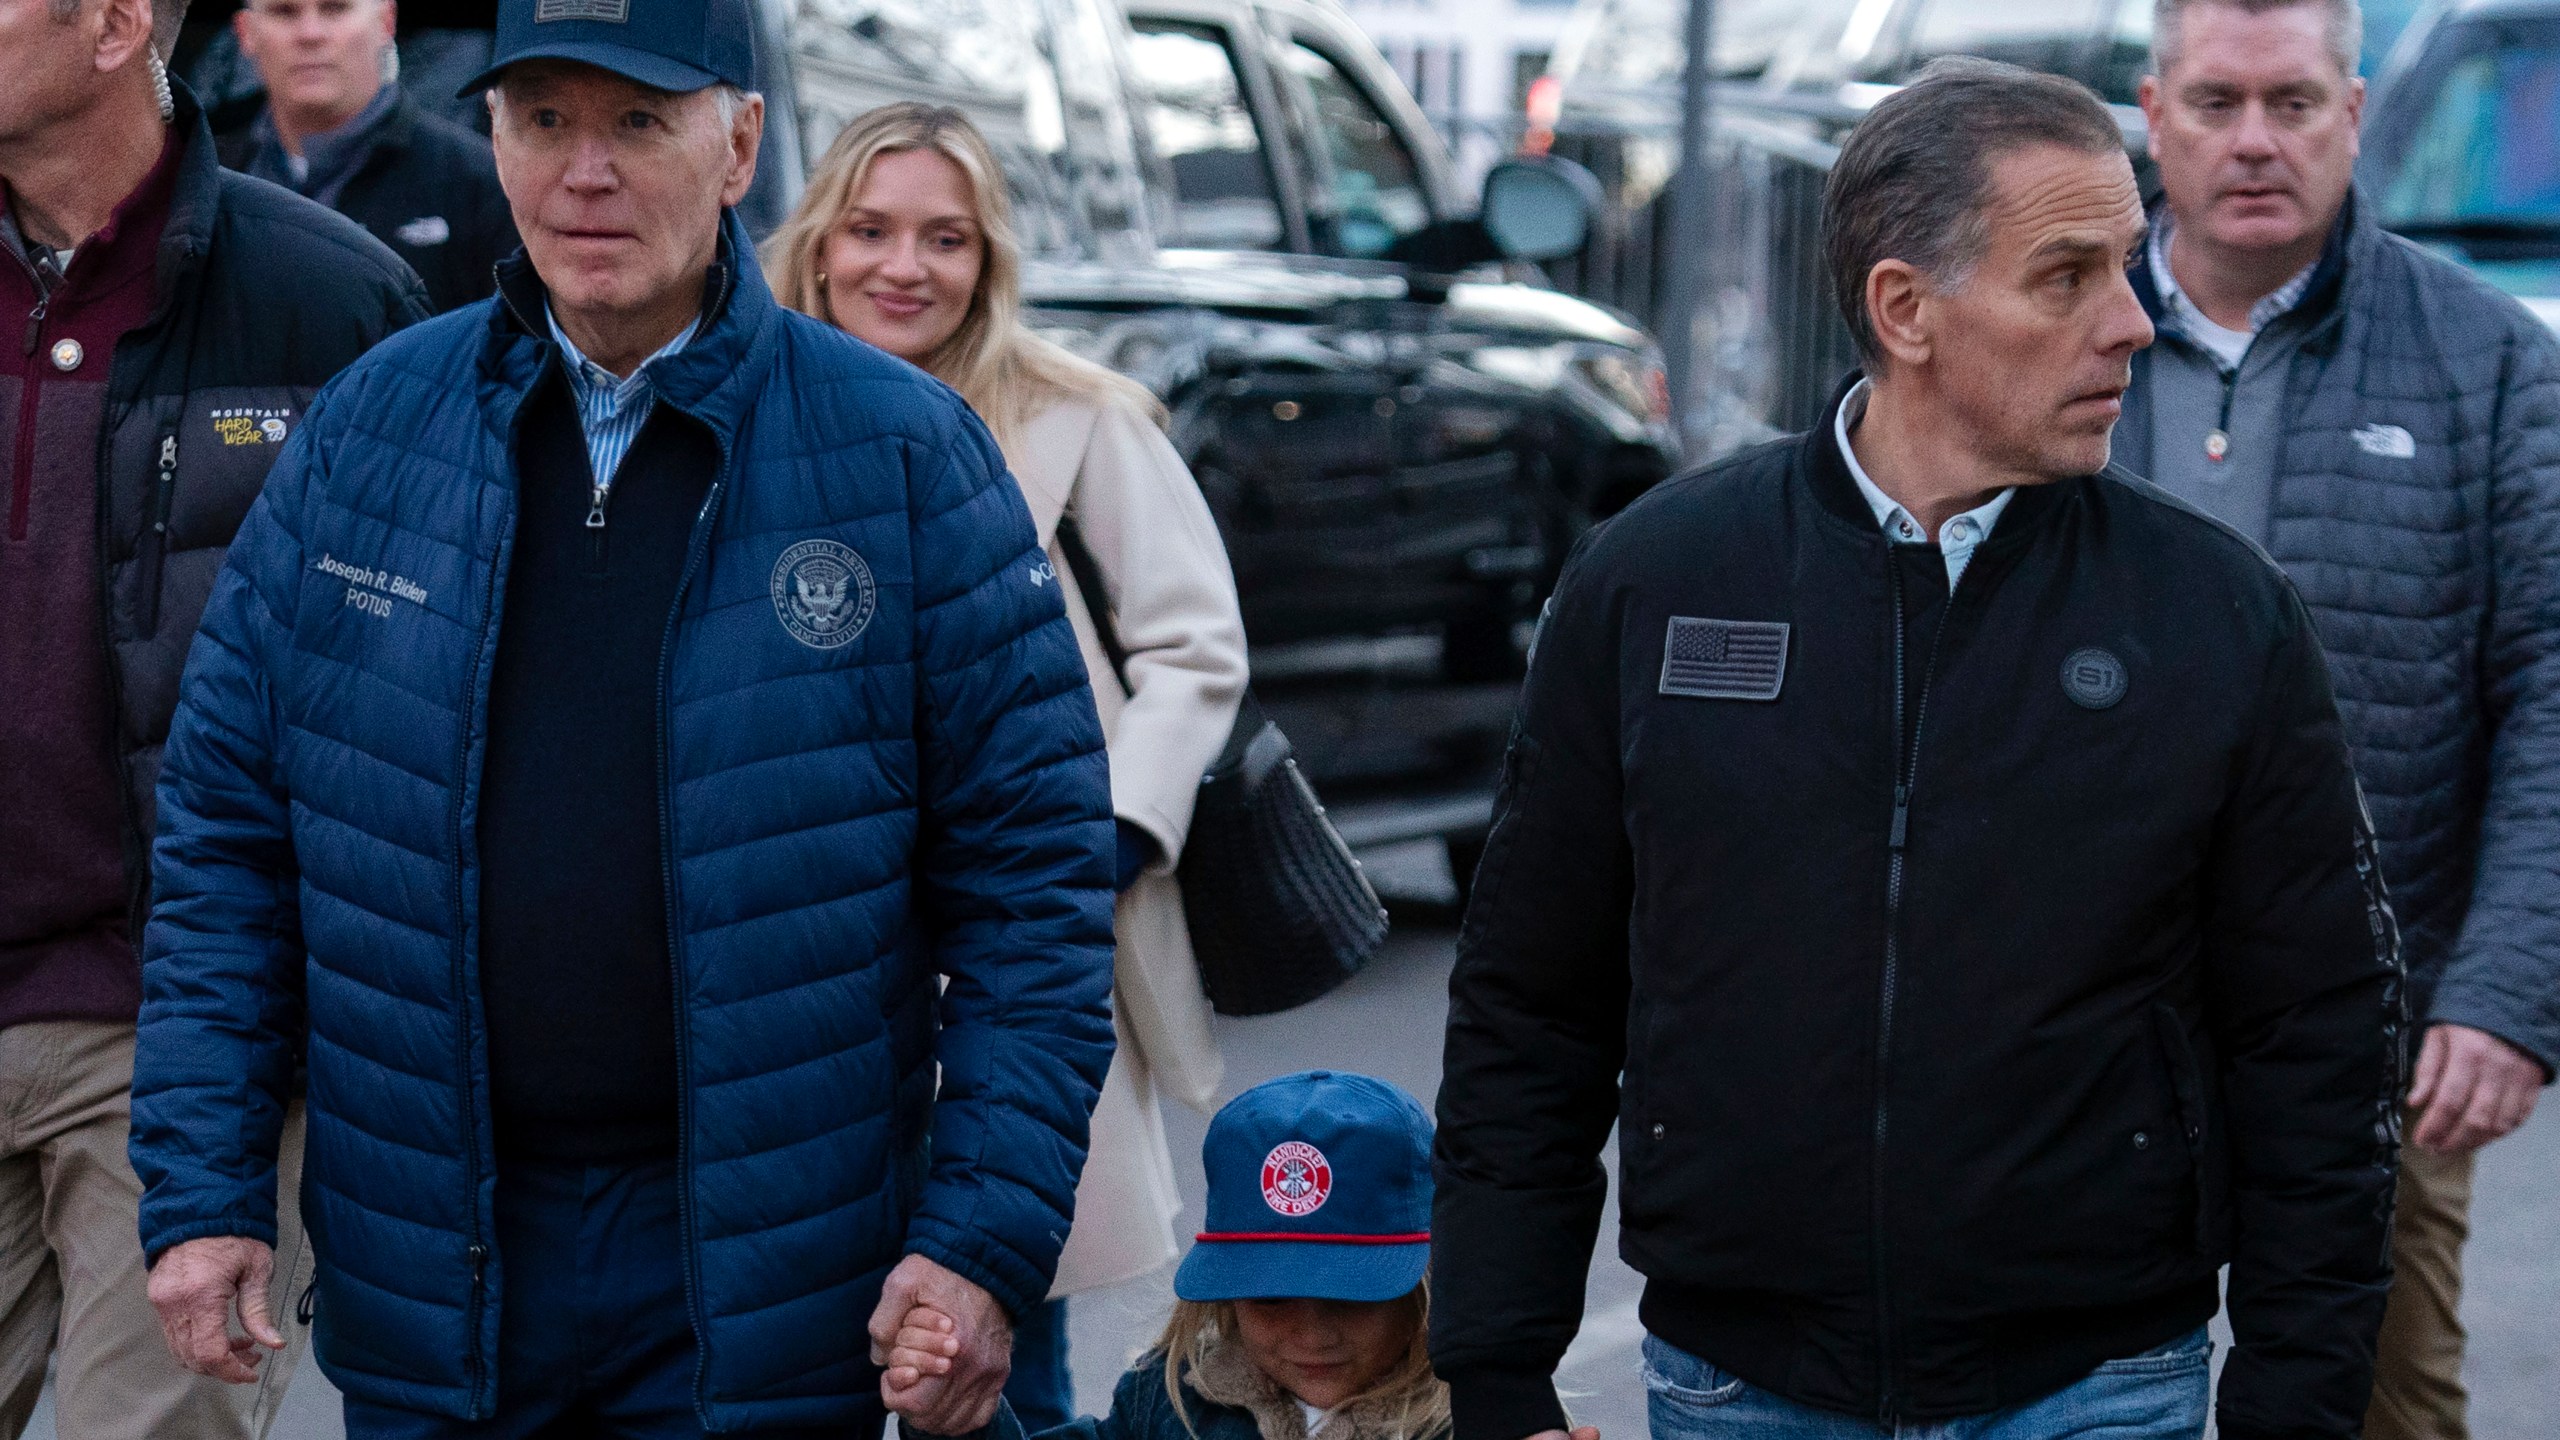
(1302, 1308)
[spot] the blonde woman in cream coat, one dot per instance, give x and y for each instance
(903, 240)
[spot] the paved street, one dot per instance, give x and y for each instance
(1387, 1023)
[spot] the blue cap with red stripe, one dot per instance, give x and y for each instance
(1319, 1188)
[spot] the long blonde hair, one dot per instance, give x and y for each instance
(1005, 372)
(1413, 1401)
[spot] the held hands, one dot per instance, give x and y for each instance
(2471, 1088)
(1580, 1432)
(924, 1349)
(947, 1345)
(194, 1288)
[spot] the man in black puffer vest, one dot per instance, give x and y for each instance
(168, 323)
(1937, 853)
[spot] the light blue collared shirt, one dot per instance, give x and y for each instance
(1957, 539)
(611, 410)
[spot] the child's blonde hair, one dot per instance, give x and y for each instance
(1413, 1401)
(1005, 372)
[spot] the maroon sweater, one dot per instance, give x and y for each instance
(64, 888)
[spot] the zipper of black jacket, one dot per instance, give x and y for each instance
(694, 549)
(1906, 772)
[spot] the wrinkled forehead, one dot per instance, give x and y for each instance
(290, 7)
(2052, 199)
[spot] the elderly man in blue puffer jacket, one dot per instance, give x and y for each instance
(637, 758)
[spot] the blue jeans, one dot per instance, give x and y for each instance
(2161, 1394)
(594, 1338)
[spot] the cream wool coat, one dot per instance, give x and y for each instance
(1175, 602)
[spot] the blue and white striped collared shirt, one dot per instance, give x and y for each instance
(2225, 345)
(611, 410)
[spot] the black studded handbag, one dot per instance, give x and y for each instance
(1279, 911)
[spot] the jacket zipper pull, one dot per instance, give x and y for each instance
(35, 324)
(1901, 815)
(595, 507)
(479, 1261)
(160, 518)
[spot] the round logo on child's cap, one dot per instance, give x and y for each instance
(1296, 1179)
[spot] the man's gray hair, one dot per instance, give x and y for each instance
(1913, 179)
(2344, 30)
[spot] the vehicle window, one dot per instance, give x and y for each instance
(1204, 133)
(2488, 147)
(1624, 45)
(1037, 76)
(1375, 187)
(2054, 35)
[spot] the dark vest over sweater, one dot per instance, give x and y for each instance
(64, 951)
(575, 975)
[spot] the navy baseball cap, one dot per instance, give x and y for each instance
(1319, 1188)
(675, 45)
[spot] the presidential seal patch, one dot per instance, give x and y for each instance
(824, 593)
(2093, 678)
(1296, 1179)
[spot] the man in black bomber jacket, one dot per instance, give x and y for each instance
(1937, 852)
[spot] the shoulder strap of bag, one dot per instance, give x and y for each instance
(1087, 574)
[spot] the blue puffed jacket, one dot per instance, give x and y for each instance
(844, 821)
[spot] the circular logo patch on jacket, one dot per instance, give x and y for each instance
(1296, 1178)
(823, 592)
(2093, 678)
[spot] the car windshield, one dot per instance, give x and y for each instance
(2486, 151)
(1636, 44)
(1039, 77)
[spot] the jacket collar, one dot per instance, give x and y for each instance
(714, 379)
(1225, 1376)
(1826, 473)
(2343, 257)
(334, 158)
(187, 236)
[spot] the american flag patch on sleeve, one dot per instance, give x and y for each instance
(1724, 659)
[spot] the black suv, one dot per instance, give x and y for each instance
(1399, 427)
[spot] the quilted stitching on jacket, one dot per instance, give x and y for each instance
(844, 826)
(2430, 559)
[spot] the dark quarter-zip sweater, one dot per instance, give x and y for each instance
(1968, 976)
(576, 977)
(64, 895)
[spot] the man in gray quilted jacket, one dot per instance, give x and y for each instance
(2388, 427)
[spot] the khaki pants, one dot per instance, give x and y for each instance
(2417, 1382)
(72, 1286)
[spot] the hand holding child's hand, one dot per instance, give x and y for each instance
(1580, 1432)
(924, 1347)
(963, 1334)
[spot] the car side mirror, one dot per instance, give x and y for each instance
(1539, 207)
